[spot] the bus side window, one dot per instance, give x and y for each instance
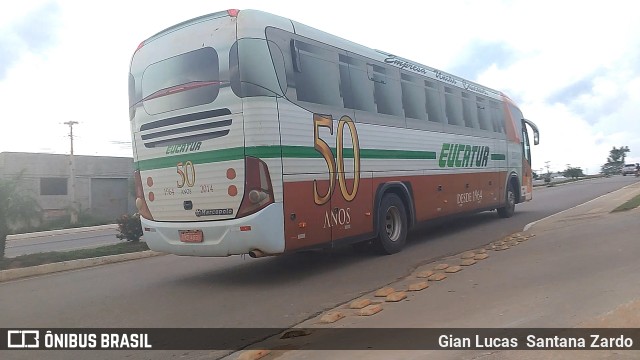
(413, 97)
(484, 114)
(453, 106)
(498, 117)
(434, 107)
(469, 111)
(250, 74)
(387, 90)
(319, 79)
(360, 96)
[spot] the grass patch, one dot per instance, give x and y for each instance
(58, 256)
(631, 204)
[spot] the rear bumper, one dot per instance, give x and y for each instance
(221, 238)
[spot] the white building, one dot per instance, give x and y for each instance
(102, 183)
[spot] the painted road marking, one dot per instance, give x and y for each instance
(332, 317)
(360, 303)
(453, 269)
(253, 354)
(418, 286)
(425, 274)
(396, 296)
(384, 292)
(437, 277)
(370, 310)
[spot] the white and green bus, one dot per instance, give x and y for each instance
(255, 134)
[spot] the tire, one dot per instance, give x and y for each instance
(509, 209)
(392, 225)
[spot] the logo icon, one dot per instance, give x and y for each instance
(23, 339)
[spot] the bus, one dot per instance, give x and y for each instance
(255, 134)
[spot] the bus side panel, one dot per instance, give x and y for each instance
(308, 224)
(303, 220)
(439, 195)
(351, 218)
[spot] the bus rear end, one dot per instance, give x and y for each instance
(196, 190)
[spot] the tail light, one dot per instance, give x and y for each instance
(258, 192)
(141, 203)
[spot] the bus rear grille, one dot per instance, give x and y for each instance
(186, 128)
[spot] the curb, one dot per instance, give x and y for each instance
(531, 224)
(14, 274)
(61, 231)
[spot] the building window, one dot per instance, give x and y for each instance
(53, 186)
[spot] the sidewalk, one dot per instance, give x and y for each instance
(61, 232)
(578, 268)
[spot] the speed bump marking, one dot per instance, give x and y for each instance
(481, 256)
(425, 274)
(440, 266)
(418, 286)
(370, 310)
(468, 255)
(384, 292)
(437, 277)
(253, 354)
(360, 303)
(332, 317)
(396, 296)
(453, 269)
(468, 262)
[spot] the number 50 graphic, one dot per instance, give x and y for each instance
(323, 148)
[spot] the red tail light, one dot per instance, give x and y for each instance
(139, 47)
(258, 192)
(141, 203)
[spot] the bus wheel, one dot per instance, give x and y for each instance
(392, 225)
(509, 209)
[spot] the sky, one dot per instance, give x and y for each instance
(573, 67)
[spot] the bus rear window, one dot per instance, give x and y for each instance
(181, 81)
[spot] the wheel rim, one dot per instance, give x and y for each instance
(393, 224)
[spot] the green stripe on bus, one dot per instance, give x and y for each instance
(498, 157)
(196, 158)
(299, 152)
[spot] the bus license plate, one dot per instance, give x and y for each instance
(191, 236)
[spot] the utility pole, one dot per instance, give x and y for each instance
(72, 176)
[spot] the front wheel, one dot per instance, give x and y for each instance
(392, 225)
(509, 209)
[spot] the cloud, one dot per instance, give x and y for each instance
(573, 91)
(480, 56)
(33, 33)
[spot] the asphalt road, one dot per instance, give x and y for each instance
(172, 291)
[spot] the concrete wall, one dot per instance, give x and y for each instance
(104, 201)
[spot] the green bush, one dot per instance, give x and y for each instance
(129, 227)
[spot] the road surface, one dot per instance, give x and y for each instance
(172, 291)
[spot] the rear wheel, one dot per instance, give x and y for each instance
(392, 225)
(509, 209)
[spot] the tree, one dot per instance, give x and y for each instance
(618, 155)
(615, 161)
(16, 207)
(573, 172)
